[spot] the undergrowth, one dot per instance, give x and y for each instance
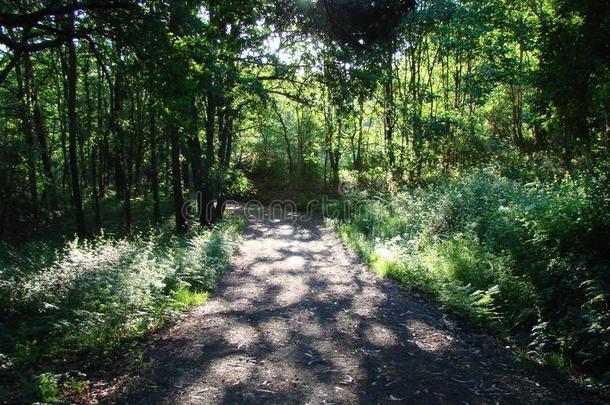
(89, 298)
(529, 260)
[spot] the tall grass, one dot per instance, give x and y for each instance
(531, 260)
(89, 297)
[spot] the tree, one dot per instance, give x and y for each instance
(77, 200)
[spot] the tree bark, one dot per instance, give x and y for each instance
(197, 167)
(154, 167)
(23, 93)
(77, 200)
(176, 178)
(94, 147)
(388, 107)
(42, 135)
(286, 138)
(62, 97)
(102, 135)
(117, 129)
(207, 195)
(94, 190)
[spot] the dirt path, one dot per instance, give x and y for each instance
(300, 320)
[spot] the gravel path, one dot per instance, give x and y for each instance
(301, 320)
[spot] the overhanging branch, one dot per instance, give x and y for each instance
(30, 19)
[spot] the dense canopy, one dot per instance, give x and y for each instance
(489, 120)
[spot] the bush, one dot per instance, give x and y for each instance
(529, 258)
(94, 295)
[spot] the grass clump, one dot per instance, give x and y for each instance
(185, 297)
(528, 259)
(88, 298)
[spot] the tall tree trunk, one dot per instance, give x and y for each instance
(225, 141)
(88, 111)
(94, 147)
(94, 190)
(184, 166)
(194, 153)
(194, 146)
(23, 93)
(517, 127)
(207, 195)
(154, 167)
(62, 97)
(42, 135)
(5, 194)
(225, 160)
(77, 200)
(219, 176)
(176, 180)
(286, 138)
(84, 131)
(129, 165)
(222, 135)
(197, 167)
(388, 106)
(117, 129)
(129, 186)
(139, 157)
(358, 166)
(102, 135)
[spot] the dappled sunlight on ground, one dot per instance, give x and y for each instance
(428, 338)
(301, 320)
(382, 336)
(242, 336)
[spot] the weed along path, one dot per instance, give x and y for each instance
(301, 320)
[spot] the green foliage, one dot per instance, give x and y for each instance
(240, 186)
(94, 295)
(48, 386)
(528, 258)
(277, 100)
(186, 298)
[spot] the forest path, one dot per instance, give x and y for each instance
(301, 320)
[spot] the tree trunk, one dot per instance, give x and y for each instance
(207, 195)
(77, 200)
(184, 166)
(286, 139)
(102, 135)
(62, 97)
(225, 161)
(94, 191)
(358, 166)
(197, 167)
(117, 128)
(139, 144)
(94, 147)
(129, 165)
(388, 107)
(23, 94)
(42, 136)
(154, 167)
(517, 127)
(219, 177)
(176, 180)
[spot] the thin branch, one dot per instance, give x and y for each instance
(30, 19)
(8, 68)
(292, 97)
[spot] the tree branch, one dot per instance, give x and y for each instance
(8, 68)
(30, 19)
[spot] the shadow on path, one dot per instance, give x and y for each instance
(301, 320)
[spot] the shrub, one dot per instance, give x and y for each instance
(530, 258)
(93, 295)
